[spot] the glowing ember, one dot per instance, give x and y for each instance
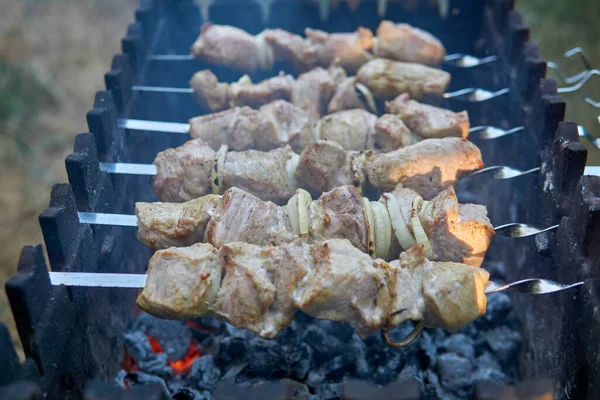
(186, 362)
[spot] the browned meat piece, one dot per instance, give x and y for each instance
(255, 95)
(343, 284)
(402, 42)
(282, 123)
(428, 121)
(232, 47)
(241, 217)
(292, 49)
(441, 294)
(457, 232)
(235, 127)
(323, 166)
(387, 79)
(347, 97)
(338, 214)
(186, 172)
(210, 93)
(391, 133)
(162, 225)
(183, 173)
(314, 90)
(256, 292)
(265, 174)
(352, 129)
(274, 125)
(258, 288)
(348, 50)
(427, 167)
(182, 282)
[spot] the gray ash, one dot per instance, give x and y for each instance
(320, 354)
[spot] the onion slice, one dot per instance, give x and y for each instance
(405, 238)
(383, 229)
(368, 96)
(418, 230)
(370, 228)
(216, 176)
(304, 200)
(290, 168)
(292, 209)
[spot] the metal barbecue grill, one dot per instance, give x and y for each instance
(75, 334)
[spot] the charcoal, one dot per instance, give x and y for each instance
(325, 346)
(496, 269)
(336, 367)
(173, 336)
(300, 358)
(432, 389)
(145, 358)
(410, 370)
(127, 379)
(191, 394)
(234, 370)
(264, 358)
(204, 372)
(328, 391)
(232, 349)
(427, 354)
(315, 378)
(455, 372)
(460, 344)
(504, 342)
(238, 332)
(340, 330)
(498, 312)
(361, 365)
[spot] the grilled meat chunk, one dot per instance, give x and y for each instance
(427, 167)
(182, 282)
(397, 222)
(391, 133)
(259, 288)
(256, 291)
(210, 93)
(428, 121)
(387, 79)
(352, 129)
(348, 50)
(314, 90)
(402, 42)
(232, 47)
(273, 125)
(162, 225)
(292, 49)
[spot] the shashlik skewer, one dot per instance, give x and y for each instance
(398, 221)
(279, 123)
(195, 169)
(260, 288)
(236, 49)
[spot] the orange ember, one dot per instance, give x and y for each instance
(186, 362)
(179, 366)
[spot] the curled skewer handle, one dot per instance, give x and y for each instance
(385, 333)
(579, 85)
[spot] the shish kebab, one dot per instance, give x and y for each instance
(279, 123)
(275, 280)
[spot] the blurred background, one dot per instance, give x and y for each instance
(53, 56)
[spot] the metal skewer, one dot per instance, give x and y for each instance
(572, 79)
(513, 230)
(101, 279)
(525, 286)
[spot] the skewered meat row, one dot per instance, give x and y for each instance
(195, 169)
(260, 288)
(398, 221)
(323, 91)
(234, 48)
(279, 123)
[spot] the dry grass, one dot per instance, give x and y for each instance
(52, 59)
